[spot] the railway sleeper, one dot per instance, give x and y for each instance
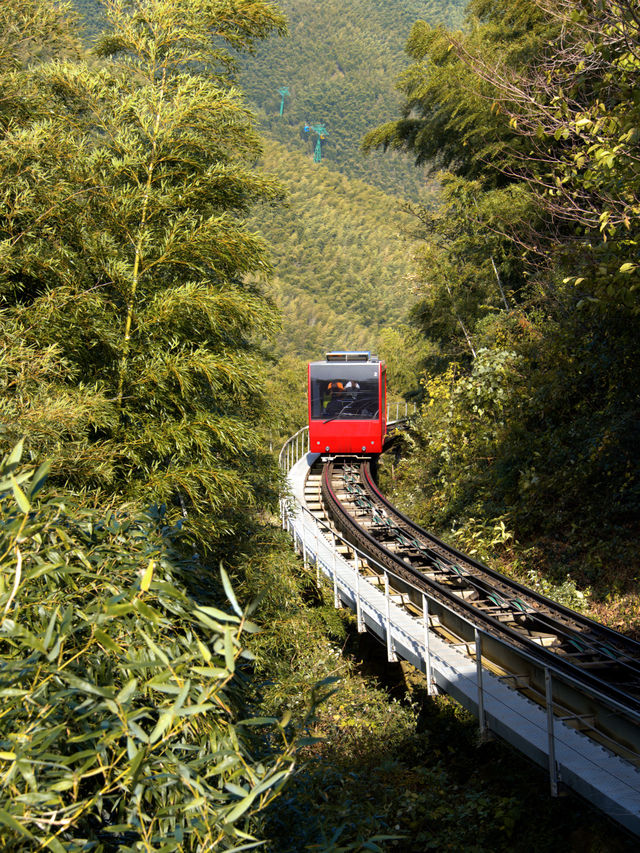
(504, 615)
(466, 594)
(544, 640)
(503, 607)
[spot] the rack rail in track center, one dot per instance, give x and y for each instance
(513, 618)
(550, 734)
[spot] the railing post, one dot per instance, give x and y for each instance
(481, 717)
(427, 649)
(304, 544)
(317, 562)
(553, 767)
(359, 620)
(391, 655)
(336, 597)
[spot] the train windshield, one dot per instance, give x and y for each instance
(345, 391)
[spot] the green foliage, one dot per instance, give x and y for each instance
(124, 256)
(341, 76)
(448, 116)
(405, 352)
(469, 271)
(338, 252)
(526, 289)
(122, 698)
(463, 424)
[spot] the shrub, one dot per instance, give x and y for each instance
(121, 697)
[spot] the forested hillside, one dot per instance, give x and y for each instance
(529, 287)
(339, 253)
(339, 64)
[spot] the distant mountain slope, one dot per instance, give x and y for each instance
(340, 257)
(339, 63)
(341, 264)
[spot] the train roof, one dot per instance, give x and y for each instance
(349, 357)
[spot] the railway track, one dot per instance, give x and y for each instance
(603, 663)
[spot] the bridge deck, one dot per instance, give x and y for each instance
(608, 781)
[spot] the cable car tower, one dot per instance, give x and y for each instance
(321, 132)
(283, 92)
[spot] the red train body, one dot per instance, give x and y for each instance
(347, 404)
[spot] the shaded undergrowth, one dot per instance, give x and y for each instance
(392, 768)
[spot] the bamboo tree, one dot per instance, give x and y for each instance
(123, 227)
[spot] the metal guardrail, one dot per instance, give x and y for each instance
(293, 449)
(409, 408)
(307, 542)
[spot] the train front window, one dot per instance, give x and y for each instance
(344, 392)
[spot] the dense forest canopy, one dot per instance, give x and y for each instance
(529, 267)
(153, 347)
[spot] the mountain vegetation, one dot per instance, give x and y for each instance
(339, 254)
(173, 677)
(528, 280)
(339, 65)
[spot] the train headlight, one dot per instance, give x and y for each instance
(364, 447)
(327, 448)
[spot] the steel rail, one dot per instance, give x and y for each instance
(529, 617)
(577, 719)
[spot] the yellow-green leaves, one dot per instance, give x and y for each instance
(134, 362)
(113, 678)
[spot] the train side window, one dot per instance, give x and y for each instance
(319, 397)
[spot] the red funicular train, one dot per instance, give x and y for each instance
(347, 404)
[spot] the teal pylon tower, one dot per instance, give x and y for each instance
(284, 92)
(321, 131)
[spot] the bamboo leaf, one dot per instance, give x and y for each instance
(14, 456)
(166, 718)
(238, 810)
(229, 592)
(39, 478)
(145, 583)
(19, 495)
(228, 652)
(127, 691)
(13, 824)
